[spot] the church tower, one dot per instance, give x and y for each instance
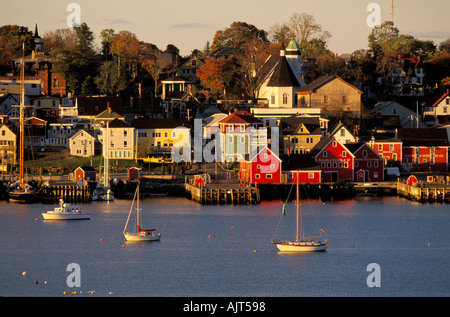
(293, 57)
(37, 39)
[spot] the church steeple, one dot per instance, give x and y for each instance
(37, 38)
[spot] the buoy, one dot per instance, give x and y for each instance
(65, 293)
(209, 237)
(35, 219)
(429, 244)
(24, 273)
(45, 282)
(123, 245)
(101, 240)
(232, 228)
(254, 251)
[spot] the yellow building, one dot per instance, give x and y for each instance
(7, 148)
(300, 134)
(157, 139)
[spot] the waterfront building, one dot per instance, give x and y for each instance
(263, 168)
(302, 166)
(368, 164)
(84, 173)
(117, 138)
(335, 160)
(389, 149)
(83, 143)
(424, 149)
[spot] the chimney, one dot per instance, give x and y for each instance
(108, 107)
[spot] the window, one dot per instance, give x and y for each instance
(257, 176)
(365, 153)
(285, 99)
(269, 176)
(325, 99)
(290, 175)
(380, 147)
(391, 147)
(242, 128)
(375, 174)
(310, 175)
(272, 166)
(325, 154)
(342, 132)
(166, 134)
(328, 164)
(125, 133)
(344, 154)
(272, 99)
(334, 143)
(125, 144)
(322, 165)
(375, 164)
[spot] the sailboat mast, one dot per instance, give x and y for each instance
(22, 119)
(296, 237)
(137, 194)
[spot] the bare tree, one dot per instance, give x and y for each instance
(303, 27)
(154, 63)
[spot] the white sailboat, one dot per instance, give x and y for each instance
(140, 234)
(65, 212)
(301, 243)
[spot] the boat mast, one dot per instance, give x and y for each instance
(296, 238)
(22, 119)
(137, 209)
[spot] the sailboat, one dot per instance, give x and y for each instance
(22, 192)
(301, 243)
(140, 234)
(103, 191)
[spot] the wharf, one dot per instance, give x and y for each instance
(219, 194)
(425, 192)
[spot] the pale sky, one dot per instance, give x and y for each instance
(189, 24)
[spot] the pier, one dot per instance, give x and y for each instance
(68, 193)
(424, 192)
(223, 194)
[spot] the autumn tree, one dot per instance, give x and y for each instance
(107, 38)
(11, 39)
(211, 75)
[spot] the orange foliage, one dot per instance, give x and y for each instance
(211, 75)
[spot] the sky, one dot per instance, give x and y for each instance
(190, 24)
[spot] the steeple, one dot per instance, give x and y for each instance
(37, 38)
(293, 57)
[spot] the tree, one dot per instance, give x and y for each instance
(303, 27)
(153, 61)
(78, 62)
(11, 39)
(109, 80)
(107, 38)
(250, 60)
(236, 35)
(211, 75)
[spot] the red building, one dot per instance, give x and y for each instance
(389, 149)
(424, 149)
(368, 164)
(87, 173)
(302, 166)
(335, 160)
(263, 168)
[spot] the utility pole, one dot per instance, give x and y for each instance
(392, 11)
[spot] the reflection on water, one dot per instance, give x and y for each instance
(226, 250)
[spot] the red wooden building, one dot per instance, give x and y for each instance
(87, 173)
(389, 149)
(424, 149)
(262, 168)
(335, 160)
(302, 166)
(368, 164)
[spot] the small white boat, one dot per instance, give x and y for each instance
(65, 212)
(140, 234)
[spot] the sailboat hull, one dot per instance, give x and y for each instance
(141, 237)
(301, 247)
(22, 197)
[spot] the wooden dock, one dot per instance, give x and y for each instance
(425, 192)
(69, 193)
(223, 194)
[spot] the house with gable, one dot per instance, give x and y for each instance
(8, 146)
(263, 168)
(342, 133)
(331, 94)
(300, 134)
(389, 149)
(241, 134)
(436, 110)
(368, 164)
(282, 77)
(335, 160)
(117, 138)
(188, 68)
(424, 149)
(83, 143)
(408, 118)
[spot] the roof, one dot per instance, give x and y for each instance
(95, 105)
(338, 127)
(291, 125)
(323, 80)
(176, 79)
(158, 123)
(423, 137)
(282, 75)
(240, 117)
(87, 168)
(436, 100)
(262, 150)
(117, 123)
(294, 162)
(322, 144)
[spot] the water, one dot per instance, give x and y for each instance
(237, 259)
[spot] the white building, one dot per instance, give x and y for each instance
(282, 78)
(118, 140)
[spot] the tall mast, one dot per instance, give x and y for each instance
(296, 238)
(22, 119)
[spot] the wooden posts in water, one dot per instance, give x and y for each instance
(223, 195)
(68, 193)
(424, 193)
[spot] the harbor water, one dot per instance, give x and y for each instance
(225, 251)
